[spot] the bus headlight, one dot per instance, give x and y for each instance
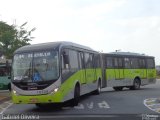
(15, 92)
(54, 91)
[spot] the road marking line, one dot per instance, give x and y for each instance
(2, 109)
(152, 104)
(90, 105)
(103, 104)
(10, 101)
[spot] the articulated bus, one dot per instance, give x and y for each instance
(60, 71)
(54, 72)
(125, 69)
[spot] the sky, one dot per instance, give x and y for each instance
(104, 25)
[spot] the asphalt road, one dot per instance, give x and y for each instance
(111, 105)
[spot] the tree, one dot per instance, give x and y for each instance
(13, 37)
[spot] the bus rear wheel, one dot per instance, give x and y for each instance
(136, 84)
(118, 88)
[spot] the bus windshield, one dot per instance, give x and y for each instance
(35, 67)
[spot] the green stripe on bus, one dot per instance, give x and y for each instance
(130, 73)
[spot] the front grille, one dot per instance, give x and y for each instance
(33, 85)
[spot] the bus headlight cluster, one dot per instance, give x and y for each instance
(54, 91)
(15, 92)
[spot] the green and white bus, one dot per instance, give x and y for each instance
(54, 72)
(126, 69)
(5, 76)
(60, 71)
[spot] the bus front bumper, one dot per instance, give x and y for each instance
(32, 99)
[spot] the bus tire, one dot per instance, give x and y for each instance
(118, 88)
(98, 90)
(136, 84)
(76, 95)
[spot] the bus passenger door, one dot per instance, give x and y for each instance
(90, 70)
(109, 69)
(118, 64)
(82, 67)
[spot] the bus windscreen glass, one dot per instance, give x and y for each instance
(35, 67)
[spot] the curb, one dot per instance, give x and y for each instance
(2, 91)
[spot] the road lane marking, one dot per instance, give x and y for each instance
(103, 104)
(90, 105)
(80, 106)
(5, 106)
(153, 104)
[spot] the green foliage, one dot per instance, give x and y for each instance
(13, 37)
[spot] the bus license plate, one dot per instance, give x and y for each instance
(33, 100)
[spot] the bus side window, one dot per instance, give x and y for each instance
(115, 62)
(120, 63)
(127, 63)
(109, 62)
(65, 64)
(87, 62)
(65, 59)
(81, 60)
(96, 60)
(91, 56)
(142, 63)
(150, 63)
(73, 59)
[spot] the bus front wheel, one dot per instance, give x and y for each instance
(76, 95)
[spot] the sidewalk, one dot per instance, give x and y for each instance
(4, 96)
